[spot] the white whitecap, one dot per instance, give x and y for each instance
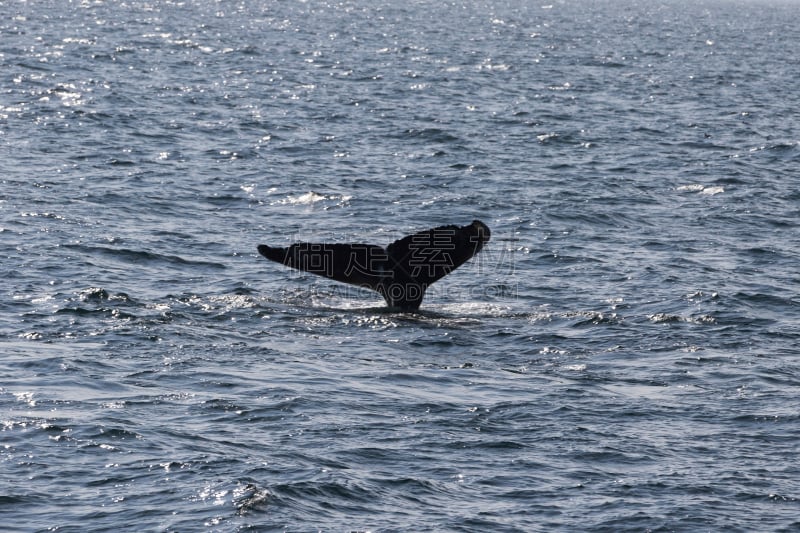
(304, 199)
(701, 189)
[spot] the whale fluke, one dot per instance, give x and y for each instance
(401, 272)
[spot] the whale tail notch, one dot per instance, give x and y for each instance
(401, 272)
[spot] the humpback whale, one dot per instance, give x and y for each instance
(401, 272)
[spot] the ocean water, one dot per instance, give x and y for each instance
(623, 356)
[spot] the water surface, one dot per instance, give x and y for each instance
(621, 357)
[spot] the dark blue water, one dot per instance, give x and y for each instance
(623, 356)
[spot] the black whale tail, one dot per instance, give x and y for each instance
(401, 272)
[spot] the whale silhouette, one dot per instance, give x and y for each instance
(401, 272)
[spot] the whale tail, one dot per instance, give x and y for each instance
(401, 272)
